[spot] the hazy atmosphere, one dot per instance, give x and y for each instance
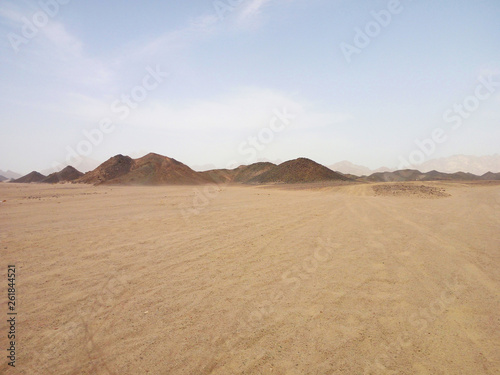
(219, 83)
(250, 187)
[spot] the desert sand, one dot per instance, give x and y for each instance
(304, 279)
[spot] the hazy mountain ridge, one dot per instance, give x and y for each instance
(10, 174)
(346, 167)
(415, 175)
(478, 165)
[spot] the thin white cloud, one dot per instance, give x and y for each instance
(174, 40)
(63, 54)
(54, 49)
(62, 41)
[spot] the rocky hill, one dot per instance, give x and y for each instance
(30, 177)
(66, 175)
(298, 171)
(152, 169)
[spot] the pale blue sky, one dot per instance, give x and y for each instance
(227, 76)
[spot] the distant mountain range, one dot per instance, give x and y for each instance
(478, 165)
(414, 175)
(66, 175)
(9, 174)
(349, 168)
(155, 169)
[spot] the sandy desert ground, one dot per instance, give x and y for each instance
(314, 279)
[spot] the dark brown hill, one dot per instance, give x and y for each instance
(402, 175)
(30, 177)
(459, 176)
(67, 174)
(298, 171)
(219, 176)
(246, 173)
(242, 174)
(111, 169)
(152, 169)
(415, 175)
(490, 176)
